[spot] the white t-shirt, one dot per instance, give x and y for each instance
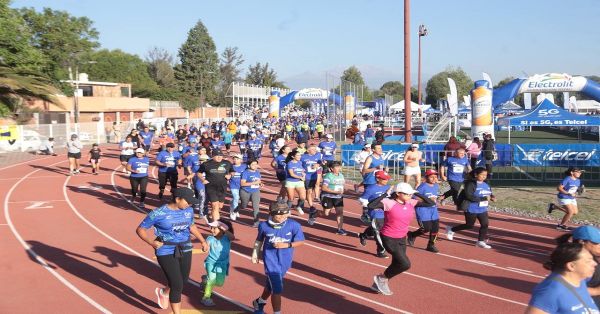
(243, 129)
(127, 148)
(280, 142)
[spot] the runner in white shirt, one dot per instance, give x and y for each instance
(126, 152)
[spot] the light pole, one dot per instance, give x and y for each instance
(422, 33)
(407, 109)
(76, 91)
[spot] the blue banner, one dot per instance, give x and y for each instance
(560, 155)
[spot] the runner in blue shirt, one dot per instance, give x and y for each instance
(277, 238)
(568, 190)
(190, 151)
(311, 161)
(147, 137)
(279, 164)
(294, 180)
(193, 137)
(427, 217)
(235, 185)
(250, 191)
(167, 162)
(372, 192)
(255, 146)
(453, 170)
(328, 149)
(138, 167)
(477, 195)
(373, 163)
(200, 190)
(216, 143)
(173, 224)
(227, 139)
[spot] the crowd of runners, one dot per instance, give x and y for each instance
(205, 165)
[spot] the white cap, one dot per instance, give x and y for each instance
(239, 156)
(367, 146)
(140, 150)
(414, 145)
(404, 188)
(329, 136)
(253, 134)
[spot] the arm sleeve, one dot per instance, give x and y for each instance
(470, 187)
(423, 201)
(377, 203)
(148, 221)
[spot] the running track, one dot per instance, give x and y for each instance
(69, 245)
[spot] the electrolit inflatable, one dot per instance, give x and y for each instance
(349, 103)
(274, 104)
(482, 119)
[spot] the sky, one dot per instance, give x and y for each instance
(309, 40)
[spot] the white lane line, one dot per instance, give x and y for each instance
(482, 262)
(3, 224)
(38, 258)
(521, 270)
(48, 201)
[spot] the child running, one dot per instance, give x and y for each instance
(94, 158)
(427, 217)
(372, 192)
(217, 261)
(567, 193)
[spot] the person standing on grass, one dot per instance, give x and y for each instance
(475, 203)
(173, 225)
(399, 211)
(250, 182)
(277, 239)
(217, 261)
(74, 147)
(332, 196)
(427, 217)
(94, 158)
(567, 197)
(376, 215)
(138, 167)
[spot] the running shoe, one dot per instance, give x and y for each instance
(432, 248)
(311, 221)
(237, 215)
(232, 216)
(449, 233)
(563, 228)
(550, 208)
(142, 205)
(300, 211)
(362, 238)
(124, 170)
(258, 305)
(341, 232)
(207, 302)
(161, 299)
(132, 200)
(410, 239)
(482, 245)
(382, 255)
(382, 285)
(95, 173)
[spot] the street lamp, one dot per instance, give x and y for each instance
(76, 91)
(422, 33)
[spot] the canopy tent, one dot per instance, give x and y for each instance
(508, 106)
(400, 106)
(549, 114)
(431, 110)
(464, 109)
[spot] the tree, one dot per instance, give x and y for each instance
(231, 60)
(62, 38)
(118, 66)
(437, 86)
(263, 75)
(15, 37)
(198, 73)
(353, 75)
(160, 67)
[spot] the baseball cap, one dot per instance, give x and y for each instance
(382, 175)
(218, 224)
(140, 150)
(278, 208)
(170, 145)
(430, 172)
(203, 157)
(414, 145)
(404, 188)
(238, 156)
(329, 136)
(587, 233)
(217, 152)
(187, 194)
(367, 146)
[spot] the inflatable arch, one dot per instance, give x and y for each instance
(278, 102)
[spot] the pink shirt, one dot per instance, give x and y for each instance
(397, 217)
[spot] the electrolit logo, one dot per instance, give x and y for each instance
(551, 155)
(550, 81)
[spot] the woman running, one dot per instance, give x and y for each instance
(332, 197)
(453, 170)
(74, 147)
(127, 148)
(94, 158)
(279, 164)
(477, 195)
(567, 194)
(294, 180)
(235, 185)
(250, 189)
(428, 217)
(399, 211)
(138, 167)
(173, 224)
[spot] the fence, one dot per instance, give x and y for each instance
(514, 164)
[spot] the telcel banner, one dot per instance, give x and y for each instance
(561, 155)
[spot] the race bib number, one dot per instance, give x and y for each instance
(572, 189)
(458, 168)
(483, 204)
(170, 164)
(255, 186)
(142, 170)
(311, 169)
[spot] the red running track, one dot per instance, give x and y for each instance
(69, 245)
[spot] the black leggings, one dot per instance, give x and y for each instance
(373, 231)
(431, 226)
(142, 182)
(177, 271)
(164, 176)
(470, 222)
(454, 189)
(400, 262)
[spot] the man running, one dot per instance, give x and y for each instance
(372, 164)
(216, 173)
(328, 149)
(312, 166)
(332, 196)
(167, 161)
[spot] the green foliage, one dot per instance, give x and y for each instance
(189, 103)
(303, 103)
(15, 37)
(198, 74)
(231, 60)
(353, 75)
(62, 38)
(263, 75)
(160, 67)
(437, 86)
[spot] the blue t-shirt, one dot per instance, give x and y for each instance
(251, 176)
(428, 213)
(170, 225)
(236, 176)
(296, 167)
(278, 261)
(369, 132)
(308, 161)
(140, 165)
(482, 190)
(193, 161)
(327, 149)
(553, 297)
(372, 192)
(147, 137)
(227, 137)
(456, 168)
(376, 162)
(255, 145)
(193, 138)
(217, 260)
(570, 185)
(217, 144)
(170, 159)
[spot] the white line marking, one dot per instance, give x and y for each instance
(521, 270)
(89, 187)
(19, 202)
(3, 224)
(39, 205)
(482, 262)
(39, 259)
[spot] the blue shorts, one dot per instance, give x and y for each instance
(275, 283)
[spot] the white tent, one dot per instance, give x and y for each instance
(399, 106)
